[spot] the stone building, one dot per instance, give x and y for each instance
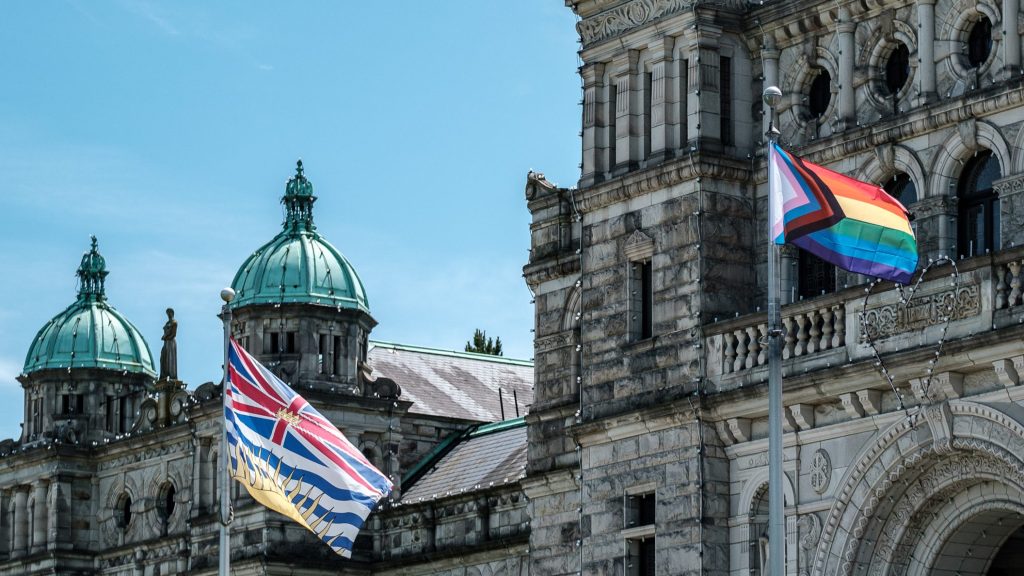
(116, 468)
(648, 432)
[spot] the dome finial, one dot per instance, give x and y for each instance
(91, 273)
(298, 201)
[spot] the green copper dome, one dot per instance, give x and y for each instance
(90, 333)
(298, 265)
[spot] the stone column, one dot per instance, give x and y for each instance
(663, 101)
(40, 519)
(705, 103)
(592, 147)
(770, 71)
(628, 108)
(19, 521)
(1011, 210)
(935, 226)
(847, 104)
(926, 50)
(789, 258)
(1011, 38)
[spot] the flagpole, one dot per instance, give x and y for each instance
(776, 507)
(227, 295)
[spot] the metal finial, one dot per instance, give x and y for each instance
(298, 168)
(95, 244)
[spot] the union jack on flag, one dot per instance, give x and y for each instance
(293, 460)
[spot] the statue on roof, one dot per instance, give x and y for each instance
(169, 351)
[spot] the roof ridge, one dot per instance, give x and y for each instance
(452, 353)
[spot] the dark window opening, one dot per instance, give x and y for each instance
(337, 355)
(684, 103)
(641, 300)
(612, 106)
(641, 510)
(110, 414)
(978, 208)
(275, 342)
(321, 353)
(725, 85)
(648, 82)
(641, 557)
(902, 188)
(815, 276)
(123, 512)
(165, 504)
(820, 94)
(897, 69)
(979, 42)
(290, 343)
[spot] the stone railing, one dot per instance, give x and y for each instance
(826, 331)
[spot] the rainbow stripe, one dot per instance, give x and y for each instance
(851, 224)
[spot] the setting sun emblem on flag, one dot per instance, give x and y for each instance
(293, 460)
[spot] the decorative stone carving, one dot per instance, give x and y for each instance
(940, 421)
(821, 471)
(810, 532)
(639, 246)
(923, 311)
(628, 16)
(1008, 370)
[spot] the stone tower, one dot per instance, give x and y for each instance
(301, 310)
(88, 368)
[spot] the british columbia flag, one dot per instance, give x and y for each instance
(293, 460)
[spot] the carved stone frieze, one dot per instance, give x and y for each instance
(821, 471)
(922, 312)
(626, 17)
(810, 532)
(553, 341)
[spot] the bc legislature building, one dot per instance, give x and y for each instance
(642, 446)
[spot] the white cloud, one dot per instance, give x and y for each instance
(9, 369)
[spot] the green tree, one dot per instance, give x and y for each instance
(484, 345)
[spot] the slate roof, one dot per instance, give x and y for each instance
(461, 385)
(491, 455)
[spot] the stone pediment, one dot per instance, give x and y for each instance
(639, 246)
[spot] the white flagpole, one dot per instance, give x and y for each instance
(776, 508)
(227, 295)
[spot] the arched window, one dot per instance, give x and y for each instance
(978, 208)
(165, 502)
(979, 42)
(902, 188)
(820, 94)
(123, 511)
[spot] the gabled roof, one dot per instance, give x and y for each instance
(488, 456)
(461, 385)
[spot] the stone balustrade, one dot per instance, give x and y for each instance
(826, 331)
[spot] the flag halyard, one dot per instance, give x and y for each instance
(293, 460)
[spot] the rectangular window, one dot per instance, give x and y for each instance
(321, 354)
(641, 299)
(290, 343)
(640, 560)
(684, 103)
(275, 342)
(65, 404)
(612, 106)
(123, 408)
(725, 85)
(337, 355)
(640, 510)
(110, 413)
(648, 84)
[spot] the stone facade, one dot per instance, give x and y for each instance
(902, 425)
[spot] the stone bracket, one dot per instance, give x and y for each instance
(1008, 370)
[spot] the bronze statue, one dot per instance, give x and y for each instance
(169, 351)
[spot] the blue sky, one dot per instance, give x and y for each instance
(168, 130)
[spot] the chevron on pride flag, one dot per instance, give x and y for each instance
(851, 224)
(293, 460)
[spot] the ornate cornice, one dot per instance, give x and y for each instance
(623, 18)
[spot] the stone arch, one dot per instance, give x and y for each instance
(912, 465)
(372, 453)
(877, 41)
(573, 309)
(902, 159)
(956, 29)
(754, 484)
(972, 136)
